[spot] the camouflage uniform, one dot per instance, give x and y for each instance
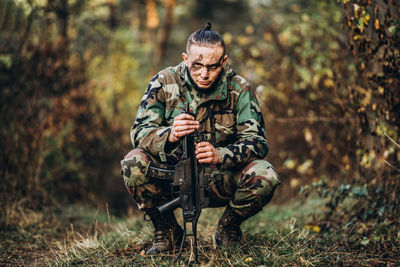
(230, 119)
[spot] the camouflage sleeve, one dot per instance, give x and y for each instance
(150, 130)
(252, 142)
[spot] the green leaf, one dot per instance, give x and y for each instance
(365, 241)
(392, 30)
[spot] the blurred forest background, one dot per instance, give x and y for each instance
(72, 73)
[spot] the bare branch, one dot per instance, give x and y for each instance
(392, 166)
(391, 139)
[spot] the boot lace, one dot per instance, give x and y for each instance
(161, 235)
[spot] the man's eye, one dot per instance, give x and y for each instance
(197, 66)
(213, 67)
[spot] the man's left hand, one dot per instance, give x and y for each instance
(206, 153)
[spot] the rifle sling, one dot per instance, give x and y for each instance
(160, 172)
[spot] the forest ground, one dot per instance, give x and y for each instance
(280, 235)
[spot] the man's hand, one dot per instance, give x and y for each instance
(206, 153)
(184, 124)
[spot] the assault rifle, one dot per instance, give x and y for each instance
(190, 186)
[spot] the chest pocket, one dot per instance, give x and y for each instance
(225, 126)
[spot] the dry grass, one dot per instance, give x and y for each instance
(278, 236)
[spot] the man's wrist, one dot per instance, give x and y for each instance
(172, 138)
(219, 157)
(171, 144)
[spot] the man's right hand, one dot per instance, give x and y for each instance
(184, 124)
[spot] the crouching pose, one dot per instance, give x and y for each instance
(225, 111)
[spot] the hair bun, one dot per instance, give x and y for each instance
(207, 27)
(205, 37)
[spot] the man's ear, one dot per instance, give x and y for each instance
(224, 60)
(185, 57)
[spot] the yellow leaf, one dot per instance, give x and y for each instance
(329, 83)
(356, 10)
(303, 168)
(268, 37)
(365, 242)
(367, 98)
(228, 38)
(249, 259)
(294, 183)
(243, 40)
(316, 229)
(377, 26)
(249, 29)
(308, 135)
(362, 109)
(289, 163)
(254, 51)
(366, 19)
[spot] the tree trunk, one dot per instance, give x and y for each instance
(166, 31)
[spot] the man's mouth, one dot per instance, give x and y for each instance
(204, 82)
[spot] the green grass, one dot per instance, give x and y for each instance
(280, 235)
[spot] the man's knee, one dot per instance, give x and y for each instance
(261, 179)
(262, 169)
(146, 192)
(133, 168)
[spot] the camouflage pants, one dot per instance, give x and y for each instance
(247, 191)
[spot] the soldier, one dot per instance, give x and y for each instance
(227, 113)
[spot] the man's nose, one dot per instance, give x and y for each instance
(204, 72)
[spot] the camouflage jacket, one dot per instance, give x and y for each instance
(230, 117)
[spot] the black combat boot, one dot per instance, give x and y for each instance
(167, 232)
(228, 231)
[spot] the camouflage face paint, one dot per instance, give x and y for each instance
(193, 66)
(205, 65)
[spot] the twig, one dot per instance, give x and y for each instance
(108, 213)
(226, 256)
(191, 251)
(391, 139)
(392, 166)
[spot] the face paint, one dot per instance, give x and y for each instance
(205, 64)
(199, 59)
